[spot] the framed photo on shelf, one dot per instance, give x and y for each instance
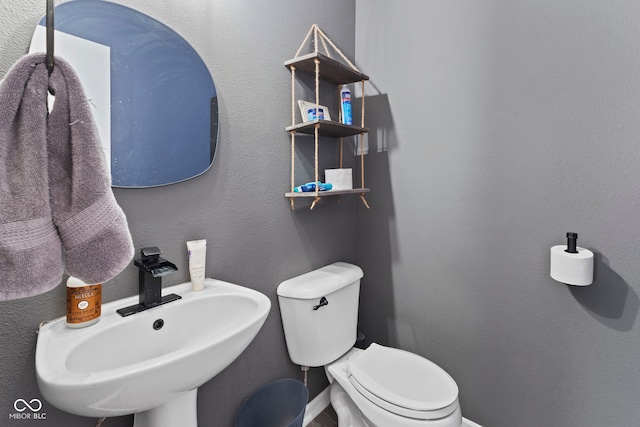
(308, 111)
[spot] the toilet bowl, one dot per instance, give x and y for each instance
(392, 387)
(377, 387)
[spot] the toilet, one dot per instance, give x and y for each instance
(377, 387)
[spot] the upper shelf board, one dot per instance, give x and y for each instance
(330, 69)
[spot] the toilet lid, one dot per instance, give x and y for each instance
(403, 382)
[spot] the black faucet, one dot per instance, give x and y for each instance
(151, 269)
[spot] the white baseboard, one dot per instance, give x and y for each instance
(469, 423)
(316, 406)
(321, 401)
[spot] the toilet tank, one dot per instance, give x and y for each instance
(319, 313)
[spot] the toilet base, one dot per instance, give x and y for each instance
(348, 413)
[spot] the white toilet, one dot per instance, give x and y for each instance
(376, 387)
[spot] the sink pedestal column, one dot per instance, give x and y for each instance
(181, 412)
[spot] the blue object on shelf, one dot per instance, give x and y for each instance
(345, 100)
(311, 186)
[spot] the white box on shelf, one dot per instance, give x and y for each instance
(341, 179)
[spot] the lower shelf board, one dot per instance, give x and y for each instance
(326, 193)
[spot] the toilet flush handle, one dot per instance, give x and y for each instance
(323, 302)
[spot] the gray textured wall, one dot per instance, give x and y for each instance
(254, 239)
(498, 126)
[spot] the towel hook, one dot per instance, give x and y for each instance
(50, 26)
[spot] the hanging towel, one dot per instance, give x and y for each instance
(30, 248)
(55, 189)
(93, 229)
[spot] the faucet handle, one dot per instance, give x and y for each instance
(150, 255)
(152, 263)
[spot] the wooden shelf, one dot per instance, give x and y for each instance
(326, 193)
(324, 68)
(327, 128)
(330, 69)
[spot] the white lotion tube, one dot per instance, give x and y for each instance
(197, 250)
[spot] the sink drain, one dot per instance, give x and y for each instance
(158, 324)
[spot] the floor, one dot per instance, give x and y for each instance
(327, 418)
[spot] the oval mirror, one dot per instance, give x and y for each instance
(155, 101)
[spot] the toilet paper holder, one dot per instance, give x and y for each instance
(571, 264)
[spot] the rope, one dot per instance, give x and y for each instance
(313, 204)
(325, 47)
(362, 112)
(317, 129)
(361, 163)
(316, 132)
(293, 165)
(317, 62)
(364, 200)
(304, 41)
(337, 50)
(318, 33)
(315, 38)
(361, 143)
(293, 95)
(293, 133)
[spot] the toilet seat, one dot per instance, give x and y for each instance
(403, 383)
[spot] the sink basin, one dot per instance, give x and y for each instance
(150, 363)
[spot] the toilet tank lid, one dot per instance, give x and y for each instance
(320, 282)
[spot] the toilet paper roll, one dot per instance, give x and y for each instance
(572, 269)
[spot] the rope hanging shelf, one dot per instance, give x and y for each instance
(324, 67)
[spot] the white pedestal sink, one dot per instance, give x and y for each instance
(151, 363)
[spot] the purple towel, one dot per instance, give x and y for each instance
(30, 248)
(72, 185)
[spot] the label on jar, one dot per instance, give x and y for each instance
(84, 303)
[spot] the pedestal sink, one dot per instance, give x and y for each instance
(151, 363)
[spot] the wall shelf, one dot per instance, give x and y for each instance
(327, 193)
(330, 70)
(325, 68)
(327, 128)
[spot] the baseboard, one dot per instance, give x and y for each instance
(469, 423)
(316, 406)
(321, 401)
